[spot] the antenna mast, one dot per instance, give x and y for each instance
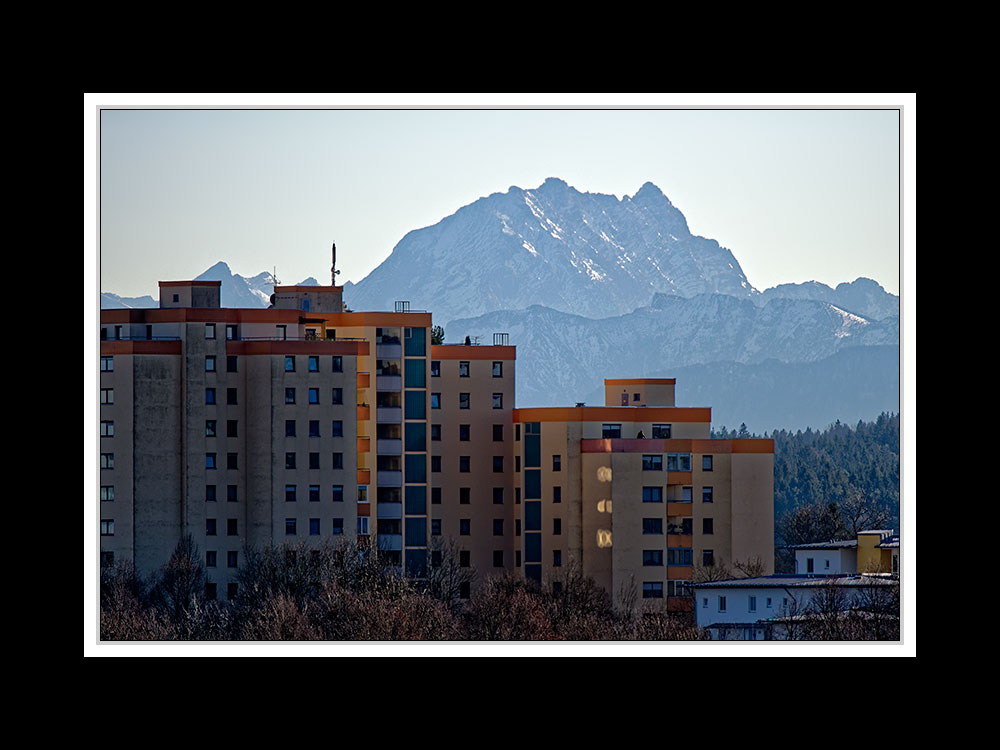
(333, 268)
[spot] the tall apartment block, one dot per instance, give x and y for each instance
(305, 422)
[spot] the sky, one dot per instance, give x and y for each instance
(796, 194)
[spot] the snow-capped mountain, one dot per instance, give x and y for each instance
(238, 291)
(862, 296)
(111, 301)
(583, 253)
(560, 354)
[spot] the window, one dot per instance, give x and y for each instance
(557, 558)
(313, 363)
(337, 428)
(707, 558)
(232, 428)
(464, 558)
(463, 400)
(313, 461)
(209, 460)
(498, 369)
(232, 462)
(289, 460)
(210, 493)
(436, 432)
(463, 495)
(107, 364)
(290, 527)
(290, 493)
(210, 363)
(232, 493)
(661, 431)
(652, 525)
(463, 432)
(313, 527)
(752, 603)
(652, 494)
(231, 590)
(463, 464)
(232, 527)
(435, 495)
(289, 428)
(107, 527)
(498, 558)
(108, 494)
(108, 429)
(209, 527)
(706, 463)
(435, 527)
(557, 526)
(210, 396)
(435, 368)
(337, 396)
(210, 559)
(463, 369)
(209, 587)
(230, 332)
(611, 431)
(497, 400)
(557, 463)
(435, 464)
(289, 363)
(314, 428)
(557, 494)
(680, 557)
(652, 557)
(768, 602)
(231, 397)
(232, 559)
(498, 495)
(314, 396)
(108, 395)
(231, 363)
(436, 402)
(338, 461)
(678, 462)
(464, 527)
(289, 395)
(497, 464)
(210, 330)
(687, 494)
(338, 364)
(314, 493)
(652, 463)
(809, 565)
(706, 494)
(107, 460)
(706, 526)
(722, 604)
(652, 590)
(338, 493)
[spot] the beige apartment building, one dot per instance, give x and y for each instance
(306, 422)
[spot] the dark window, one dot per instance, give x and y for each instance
(209, 395)
(706, 526)
(435, 369)
(463, 369)
(463, 432)
(498, 433)
(209, 527)
(232, 559)
(337, 428)
(289, 363)
(463, 464)
(232, 428)
(289, 428)
(314, 493)
(232, 589)
(557, 463)
(707, 558)
(289, 395)
(314, 428)
(498, 495)
(463, 495)
(652, 590)
(498, 558)
(209, 587)
(435, 464)
(652, 525)
(498, 463)
(464, 526)
(313, 527)
(210, 493)
(464, 558)
(337, 396)
(652, 557)
(435, 495)
(613, 431)
(706, 494)
(338, 461)
(557, 494)
(231, 396)
(498, 369)
(435, 432)
(497, 527)
(338, 493)
(463, 400)
(338, 364)
(289, 493)
(210, 559)
(231, 493)
(652, 494)
(289, 460)
(652, 463)
(556, 558)
(706, 463)
(557, 526)
(232, 461)
(231, 363)
(290, 527)
(232, 527)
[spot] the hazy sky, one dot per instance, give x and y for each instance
(796, 195)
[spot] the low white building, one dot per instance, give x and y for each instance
(827, 558)
(761, 608)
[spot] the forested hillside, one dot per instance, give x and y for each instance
(834, 481)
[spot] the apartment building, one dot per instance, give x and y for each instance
(306, 422)
(637, 493)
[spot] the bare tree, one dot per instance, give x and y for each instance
(447, 580)
(752, 567)
(860, 512)
(180, 581)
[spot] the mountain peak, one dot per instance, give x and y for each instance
(649, 193)
(554, 183)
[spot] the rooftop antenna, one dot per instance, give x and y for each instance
(274, 275)
(333, 268)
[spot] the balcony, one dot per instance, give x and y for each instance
(389, 351)
(389, 414)
(390, 541)
(389, 478)
(364, 380)
(364, 412)
(389, 510)
(389, 383)
(389, 447)
(364, 445)
(679, 508)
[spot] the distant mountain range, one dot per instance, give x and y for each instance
(589, 286)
